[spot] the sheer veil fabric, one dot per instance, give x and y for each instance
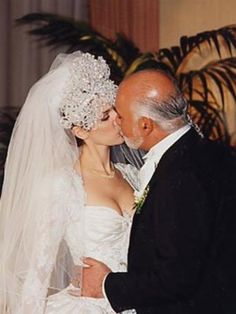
(31, 200)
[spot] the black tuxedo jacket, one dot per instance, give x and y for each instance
(182, 254)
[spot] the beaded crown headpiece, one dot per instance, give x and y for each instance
(88, 91)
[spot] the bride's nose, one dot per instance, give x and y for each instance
(114, 117)
(116, 120)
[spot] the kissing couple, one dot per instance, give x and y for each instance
(72, 240)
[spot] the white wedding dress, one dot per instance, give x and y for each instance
(105, 237)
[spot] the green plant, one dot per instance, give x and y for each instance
(204, 65)
(58, 31)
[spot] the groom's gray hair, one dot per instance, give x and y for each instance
(169, 113)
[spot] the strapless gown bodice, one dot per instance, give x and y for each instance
(106, 238)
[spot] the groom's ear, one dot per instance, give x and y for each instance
(80, 133)
(146, 126)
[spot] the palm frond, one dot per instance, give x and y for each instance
(215, 38)
(126, 48)
(204, 64)
(220, 75)
(171, 57)
(174, 57)
(223, 41)
(54, 29)
(207, 91)
(210, 120)
(147, 61)
(57, 31)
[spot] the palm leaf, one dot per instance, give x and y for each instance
(126, 48)
(216, 39)
(174, 57)
(56, 31)
(209, 119)
(204, 65)
(221, 73)
(147, 61)
(171, 57)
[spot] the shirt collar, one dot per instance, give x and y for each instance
(160, 148)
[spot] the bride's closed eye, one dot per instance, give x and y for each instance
(106, 115)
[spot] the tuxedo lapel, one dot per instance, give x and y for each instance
(179, 148)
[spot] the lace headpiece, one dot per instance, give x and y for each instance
(88, 91)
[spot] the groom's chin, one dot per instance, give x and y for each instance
(133, 143)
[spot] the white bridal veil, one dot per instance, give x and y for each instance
(39, 147)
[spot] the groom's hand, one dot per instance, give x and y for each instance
(93, 276)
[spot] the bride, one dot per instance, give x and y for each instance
(63, 198)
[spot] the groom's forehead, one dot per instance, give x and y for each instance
(129, 92)
(147, 83)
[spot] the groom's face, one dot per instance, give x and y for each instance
(127, 119)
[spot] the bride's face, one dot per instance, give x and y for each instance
(107, 132)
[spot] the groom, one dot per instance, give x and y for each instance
(182, 254)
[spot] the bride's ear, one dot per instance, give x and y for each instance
(80, 133)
